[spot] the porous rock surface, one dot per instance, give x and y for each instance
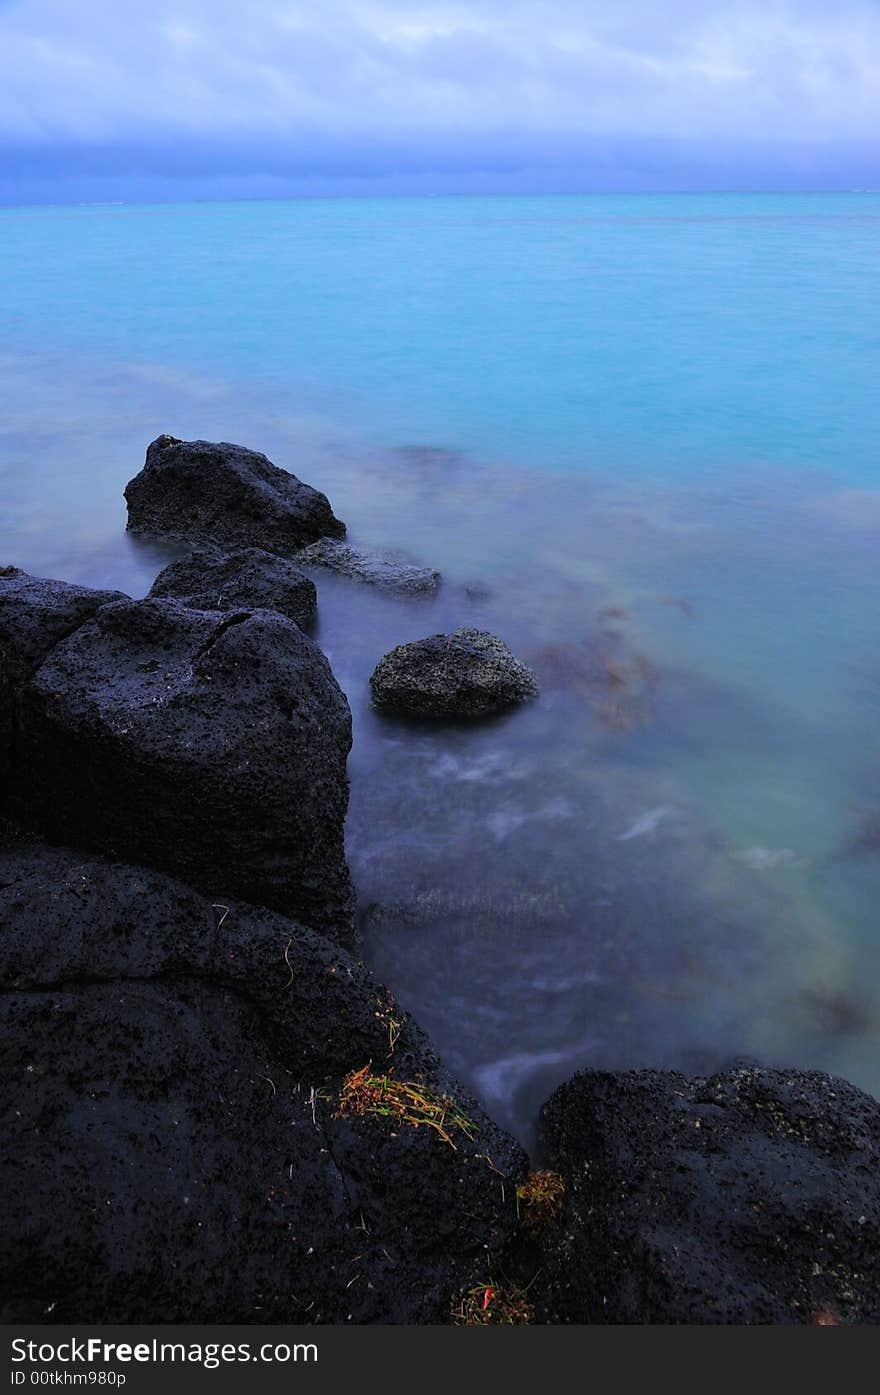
(35, 614)
(225, 494)
(469, 673)
(209, 745)
(382, 569)
(174, 1068)
(246, 578)
(752, 1196)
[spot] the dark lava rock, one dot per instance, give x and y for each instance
(382, 569)
(174, 1069)
(35, 613)
(215, 492)
(212, 746)
(749, 1197)
(249, 578)
(469, 673)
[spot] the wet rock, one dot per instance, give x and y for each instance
(749, 1197)
(174, 1070)
(248, 578)
(469, 673)
(212, 746)
(71, 916)
(478, 592)
(382, 569)
(216, 492)
(35, 614)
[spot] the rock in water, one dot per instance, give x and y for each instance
(382, 569)
(469, 673)
(749, 1197)
(246, 579)
(170, 1134)
(35, 613)
(215, 492)
(213, 746)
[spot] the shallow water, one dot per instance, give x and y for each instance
(645, 430)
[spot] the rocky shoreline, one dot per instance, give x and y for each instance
(216, 1113)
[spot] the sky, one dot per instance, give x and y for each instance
(210, 98)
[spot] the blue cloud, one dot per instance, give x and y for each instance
(356, 89)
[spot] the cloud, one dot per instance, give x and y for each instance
(314, 80)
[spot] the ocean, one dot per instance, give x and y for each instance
(638, 435)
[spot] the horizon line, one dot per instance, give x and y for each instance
(328, 196)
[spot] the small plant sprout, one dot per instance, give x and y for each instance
(386, 1013)
(404, 1102)
(490, 1306)
(539, 1200)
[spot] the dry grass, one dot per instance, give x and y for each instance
(405, 1102)
(487, 1306)
(539, 1200)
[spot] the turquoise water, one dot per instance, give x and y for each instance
(646, 427)
(699, 333)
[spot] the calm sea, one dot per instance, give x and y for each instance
(639, 435)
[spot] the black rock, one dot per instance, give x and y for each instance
(469, 673)
(174, 1068)
(383, 569)
(749, 1197)
(35, 613)
(212, 746)
(248, 578)
(215, 492)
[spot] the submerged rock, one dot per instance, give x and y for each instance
(171, 1128)
(35, 614)
(749, 1197)
(382, 569)
(213, 746)
(478, 592)
(866, 841)
(216, 492)
(469, 673)
(247, 578)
